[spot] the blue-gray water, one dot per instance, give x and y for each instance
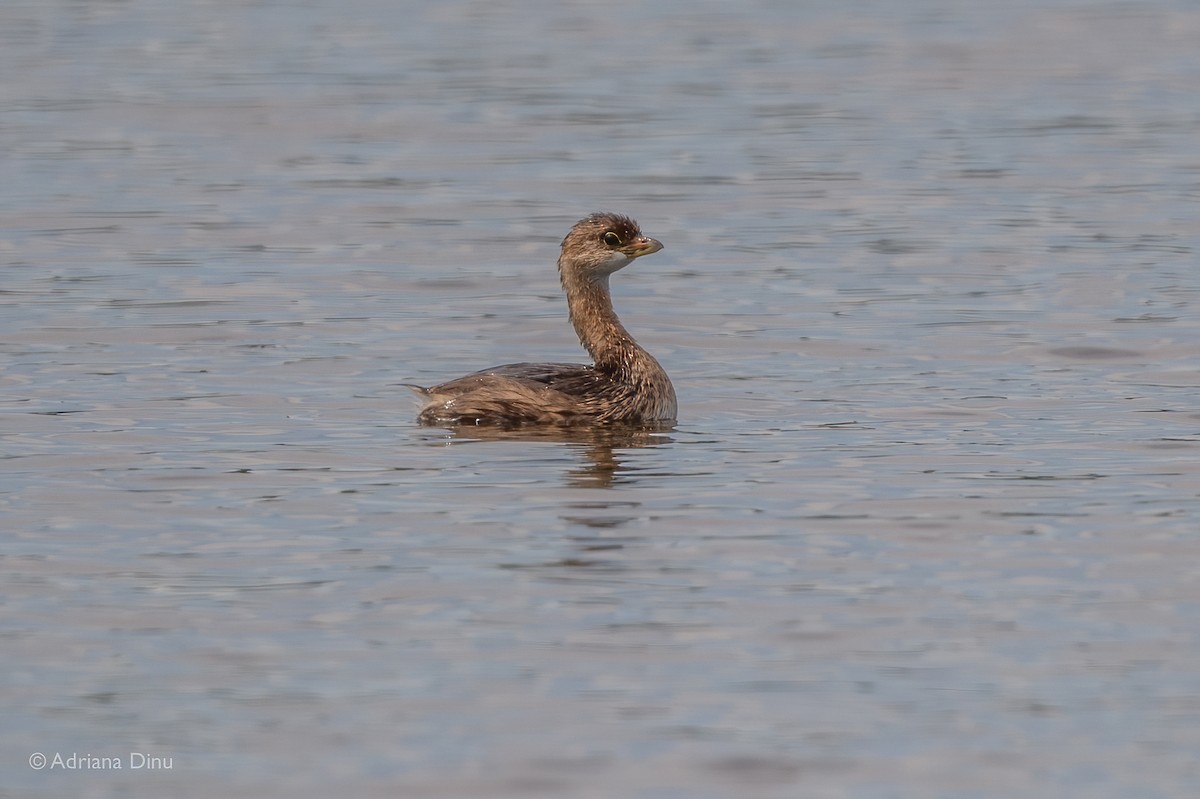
(929, 525)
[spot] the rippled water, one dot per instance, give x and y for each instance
(928, 524)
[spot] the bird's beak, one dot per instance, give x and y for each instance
(643, 245)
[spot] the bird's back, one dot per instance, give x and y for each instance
(513, 394)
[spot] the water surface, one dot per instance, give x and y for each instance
(927, 524)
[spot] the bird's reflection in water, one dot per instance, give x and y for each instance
(600, 447)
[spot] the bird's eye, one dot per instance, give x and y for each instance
(612, 239)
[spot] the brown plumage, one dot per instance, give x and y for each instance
(625, 385)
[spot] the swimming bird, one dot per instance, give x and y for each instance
(623, 385)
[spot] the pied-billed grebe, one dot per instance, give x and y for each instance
(625, 385)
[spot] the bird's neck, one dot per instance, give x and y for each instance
(600, 331)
